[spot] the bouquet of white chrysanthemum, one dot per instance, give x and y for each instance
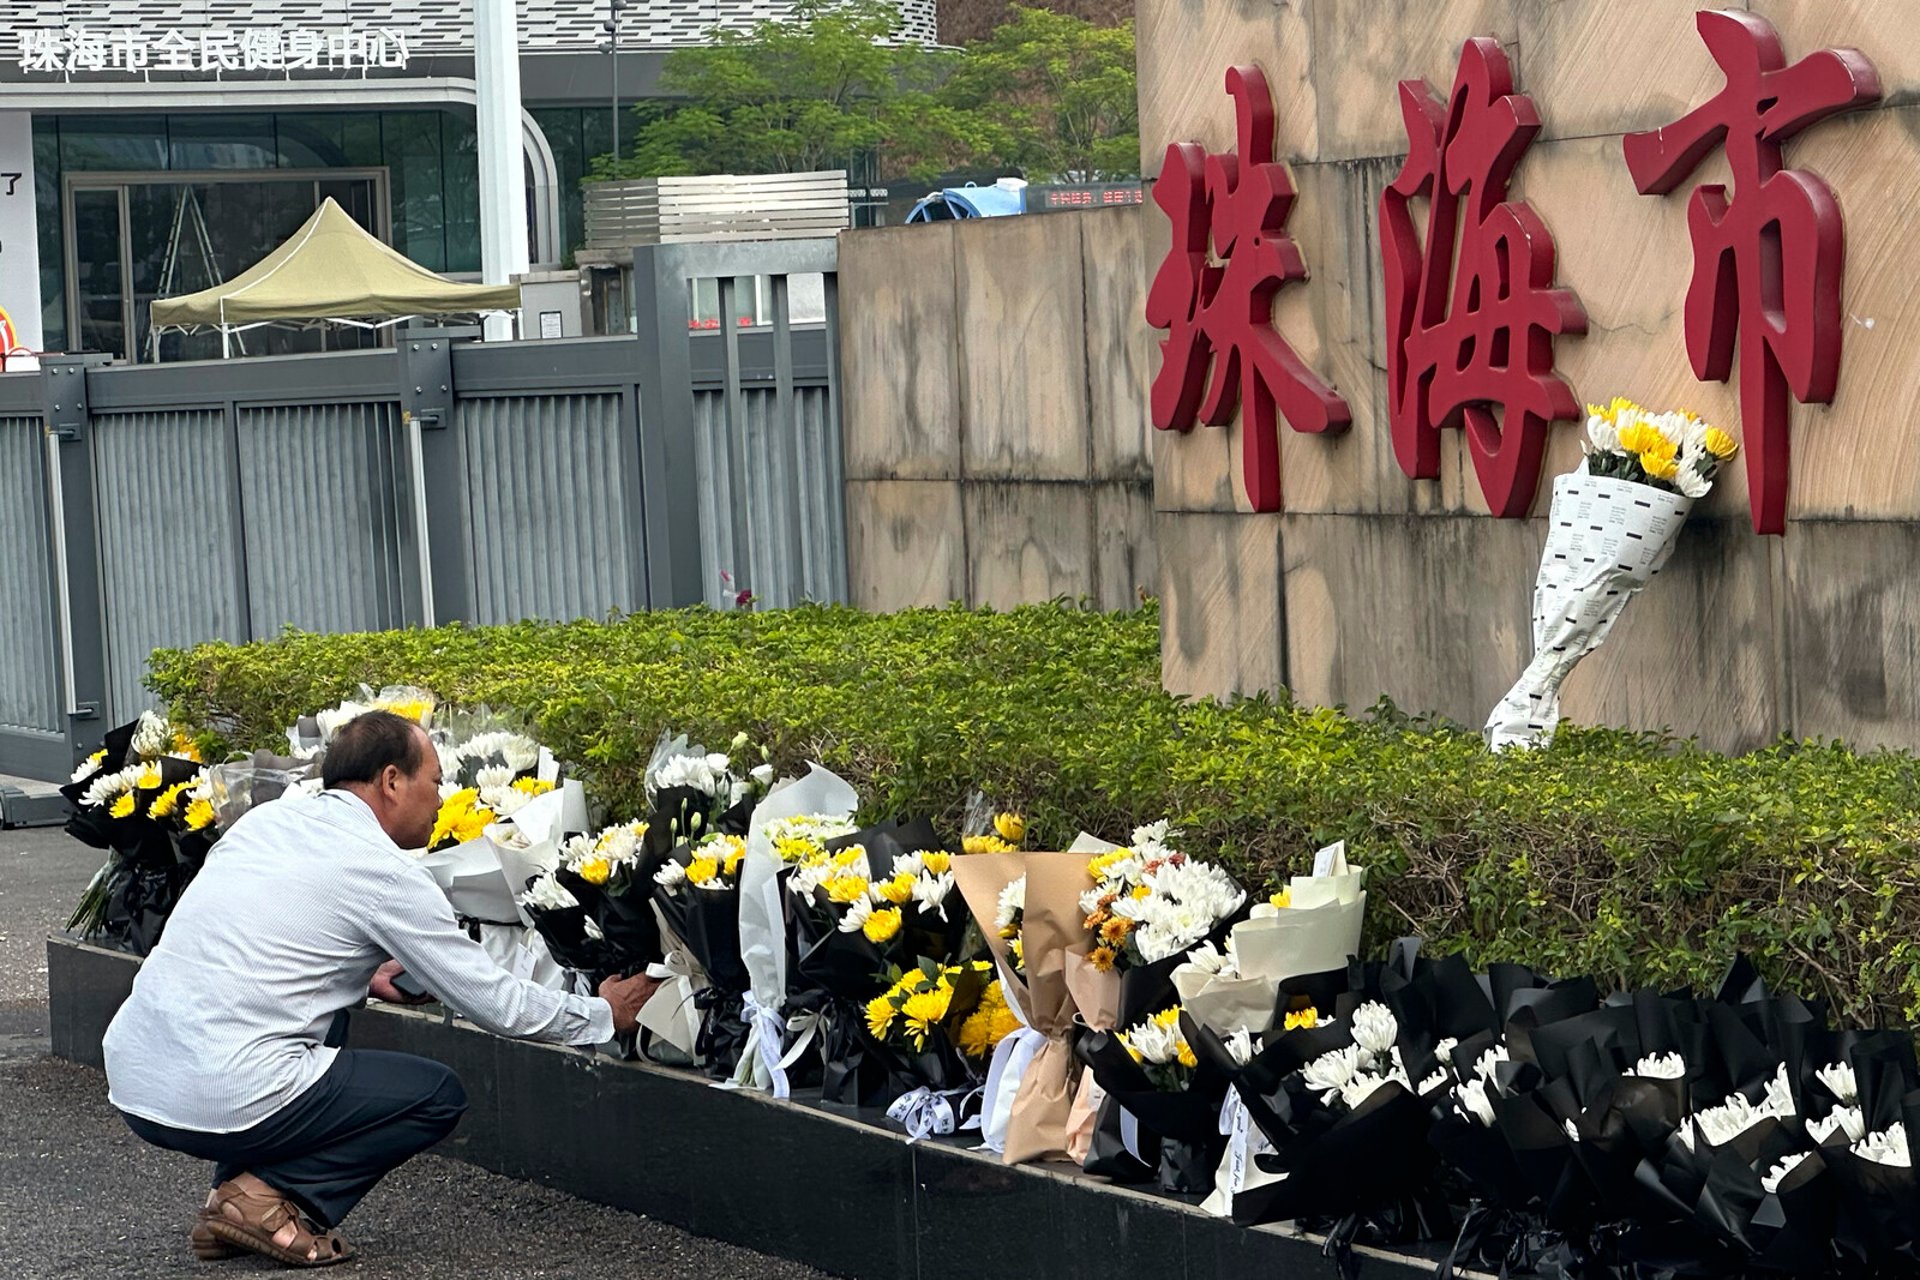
(697, 895)
(1612, 527)
(593, 907)
(1149, 905)
(309, 735)
(1161, 1106)
(693, 792)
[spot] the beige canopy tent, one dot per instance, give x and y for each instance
(332, 270)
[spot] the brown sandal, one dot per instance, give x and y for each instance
(207, 1246)
(255, 1221)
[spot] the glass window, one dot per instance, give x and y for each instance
(97, 275)
(220, 142)
(53, 257)
(460, 183)
(113, 142)
(328, 140)
(411, 141)
(564, 136)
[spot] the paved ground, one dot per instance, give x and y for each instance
(80, 1196)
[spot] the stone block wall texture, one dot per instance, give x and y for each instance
(995, 379)
(1371, 583)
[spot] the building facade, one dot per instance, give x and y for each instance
(159, 146)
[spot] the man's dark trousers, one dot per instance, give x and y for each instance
(369, 1114)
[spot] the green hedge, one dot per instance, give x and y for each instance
(1629, 856)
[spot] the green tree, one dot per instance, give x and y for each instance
(1047, 95)
(1051, 95)
(812, 92)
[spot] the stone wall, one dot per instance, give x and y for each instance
(1371, 583)
(995, 378)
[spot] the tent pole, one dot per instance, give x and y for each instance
(503, 175)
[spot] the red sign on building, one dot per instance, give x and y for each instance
(1767, 260)
(1222, 351)
(1463, 339)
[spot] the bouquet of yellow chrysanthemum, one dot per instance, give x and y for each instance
(918, 1019)
(1613, 525)
(593, 907)
(132, 799)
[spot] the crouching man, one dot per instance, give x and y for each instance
(305, 906)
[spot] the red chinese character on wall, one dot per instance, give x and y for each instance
(1218, 308)
(1767, 261)
(1463, 339)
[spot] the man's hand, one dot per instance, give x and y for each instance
(382, 988)
(627, 995)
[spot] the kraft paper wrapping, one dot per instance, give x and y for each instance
(1050, 928)
(1606, 538)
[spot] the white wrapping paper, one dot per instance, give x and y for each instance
(763, 931)
(1606, 538)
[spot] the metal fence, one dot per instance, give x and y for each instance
(440, 480)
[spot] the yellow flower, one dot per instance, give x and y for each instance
(1306, 1018)
(1167, 1019)
(1115, 931)
(149, 779)
(199, 815)
(1011, 827)
(976, 1037)
(599, 870)
(846, 889)
(925, 1009)
(1141, 893)
(414, 709)
(1282, 899)
(167, 803)
(799, 850)
(731, 849)
(1102, 958)
(1017, 948)
(936, 863)
(1659, 466)
(461, 819)
(898, 890)
(122, 807)
(97, 757)
(882, 924)
(702, 869)
(184, 748)
(880, 1013)
(1720, 444)
(1184, 1052)
(532, 786)
(985, 844)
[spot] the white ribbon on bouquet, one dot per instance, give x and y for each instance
(670, 1013)
(762, 1065)
(1011, 1058)
(928, 1113)
(1237, 1171)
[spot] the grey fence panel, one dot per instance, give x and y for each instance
(29, 688)
(550, 512)
(168, 552)
(321, 516)
(792, 548)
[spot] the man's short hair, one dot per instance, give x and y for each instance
(370, 742)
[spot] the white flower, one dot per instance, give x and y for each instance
(1435, 1082)
(152, 736)
(1156, 1045)
(1240, 1046)
(1690, 482)
(109, 787)
(492, 776)
(1374, 1028)
(1838, 1077)
(1210, 959)
(762, 774)
(1771, 1180)
(1359, 1089)
(517, 751)
(671, 876)
(1847, 1120)
(1889, 1147)
(930, 892)
(1778, 1100)
(592, 929)
(1152, 838)
(1013, 902)
(706, 774)
(1331, 1072)
(1185, 901)
(548, 894)
(335, 719)
(1660, 1066)
(857, 912)
(1722, 1124)
(1444, 1050)
(739, 742)
(1605, 436)
(1471, 1100)
(1572, 1129)
(1489, 1060)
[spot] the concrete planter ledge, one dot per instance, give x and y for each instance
(821, 1186)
